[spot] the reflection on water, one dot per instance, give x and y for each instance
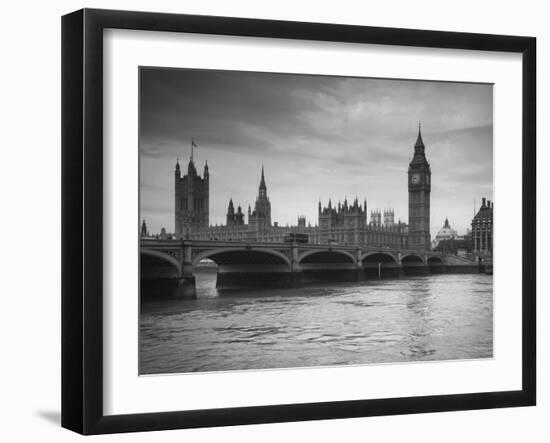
(436, 317)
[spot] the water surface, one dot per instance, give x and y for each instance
(435, 317)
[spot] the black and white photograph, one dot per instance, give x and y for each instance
(294, 221)
(275, 221)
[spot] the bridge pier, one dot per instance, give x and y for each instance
(186, 284)
(296, 280)
(186, 287)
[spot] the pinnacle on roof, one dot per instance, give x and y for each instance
(419, 142)
(191, 170)
(262, 181)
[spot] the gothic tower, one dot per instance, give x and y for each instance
(230, 217)
(192, 194)
(419, 198)
(260, 219)
(143, 232)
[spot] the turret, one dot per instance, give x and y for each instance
(389, 217)
(239, 217)
(178, 171)
(191, 170)
(230, 218)
(206, 172)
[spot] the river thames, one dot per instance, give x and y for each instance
(434, 317)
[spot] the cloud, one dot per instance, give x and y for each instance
(318, 137)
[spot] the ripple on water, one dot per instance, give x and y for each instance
(406, 319)
(308, 336)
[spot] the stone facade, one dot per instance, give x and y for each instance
(482, 229)
(234, 218)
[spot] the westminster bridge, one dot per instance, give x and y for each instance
(168, 265)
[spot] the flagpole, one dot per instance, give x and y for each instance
(193, 145)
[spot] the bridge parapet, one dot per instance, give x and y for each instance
(293, 253)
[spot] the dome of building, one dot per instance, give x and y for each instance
(445, 233)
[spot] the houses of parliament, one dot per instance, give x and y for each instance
(343, 222)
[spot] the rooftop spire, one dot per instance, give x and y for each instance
(419, 142)
(262, 181)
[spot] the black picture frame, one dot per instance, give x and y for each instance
(82, 218)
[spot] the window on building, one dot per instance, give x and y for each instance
(198, 204)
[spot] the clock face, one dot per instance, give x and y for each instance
(415, 179)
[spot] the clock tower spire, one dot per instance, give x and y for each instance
(419, 197)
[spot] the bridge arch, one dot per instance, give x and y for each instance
(379, 257)
(223, 256)
(412, 259)
(434, 260)
(326, 256)
(150, 257)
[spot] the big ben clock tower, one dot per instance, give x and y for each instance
(419, 198)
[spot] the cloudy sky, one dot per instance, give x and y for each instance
(318, 137)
